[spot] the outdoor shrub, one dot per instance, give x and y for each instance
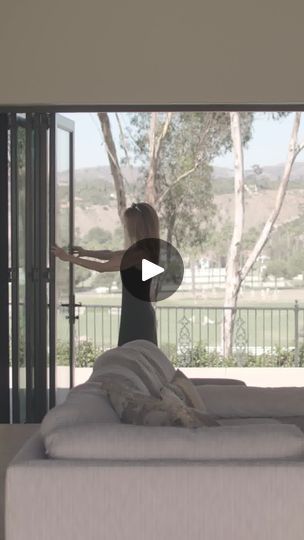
(85, 354)
(199, 356)
(62, 352)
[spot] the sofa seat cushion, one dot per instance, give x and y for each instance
(250, 401)
(129, 442)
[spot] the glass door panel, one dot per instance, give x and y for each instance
(64, 224)
(17, 250)
(4, 267)
(21, 267)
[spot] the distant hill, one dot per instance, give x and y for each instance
(103, 173)
(95, 203)
(257, 209)
(271, 172)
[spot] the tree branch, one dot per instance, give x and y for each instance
(181, 177)
(114, 165)
(124, 144)
(293, 150)
(184, 175)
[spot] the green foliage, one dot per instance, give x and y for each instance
(192, 141)
(81, 274)
(97, 238)
(106, 279)
(117, 239)
(85, 356)
(200, 357)
(219, 240)
(249, 238)
(90, 192)
(62, 353)
(286, 249)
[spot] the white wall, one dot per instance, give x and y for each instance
(151, 52)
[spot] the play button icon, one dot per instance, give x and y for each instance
(151, 270)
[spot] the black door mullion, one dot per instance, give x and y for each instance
(4, 274)
(52, 273)
(40, 273)
(71, 273)
(29, 267)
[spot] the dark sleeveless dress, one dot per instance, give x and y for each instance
(137, 316)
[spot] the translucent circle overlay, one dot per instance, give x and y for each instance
(158, 252)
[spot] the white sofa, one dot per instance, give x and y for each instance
(87, 476)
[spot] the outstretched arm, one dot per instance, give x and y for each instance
(103, 254)
(111, 265)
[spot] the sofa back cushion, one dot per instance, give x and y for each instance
(85, 403)
(251, 401)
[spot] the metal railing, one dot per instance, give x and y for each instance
(192, 335)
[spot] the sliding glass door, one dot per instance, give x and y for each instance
(38, 176)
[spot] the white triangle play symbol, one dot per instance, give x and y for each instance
(149, 270)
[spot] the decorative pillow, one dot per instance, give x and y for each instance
(191, 394)
(140, 409)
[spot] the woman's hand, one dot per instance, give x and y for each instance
(60, 253)
(78, 251)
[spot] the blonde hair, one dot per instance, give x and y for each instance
(141, 221)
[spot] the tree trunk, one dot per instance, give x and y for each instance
(293, 150)
(150, 184)
(115, 167)
(154, 152)
(235, 275)
(192, 265)
(170, 226)
(233, 260)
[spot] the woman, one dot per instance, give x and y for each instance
(137, 314)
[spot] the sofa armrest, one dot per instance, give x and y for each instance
(200, 381)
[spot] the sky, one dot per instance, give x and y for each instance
(268, 145)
